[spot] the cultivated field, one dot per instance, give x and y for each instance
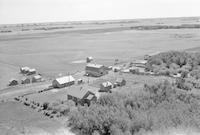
(64, 51)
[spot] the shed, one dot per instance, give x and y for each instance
(24, 70)
(106, 86)
(13, 82)
(81, 96)
(37, 78)
(63, 81)
(120, 82)
(95, 70)
(25, 80)
(89, 59)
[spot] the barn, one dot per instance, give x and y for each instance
(63, 82)
(95, 70)
(81, 96)
(106, 86)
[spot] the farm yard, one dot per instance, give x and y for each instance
(43, 93)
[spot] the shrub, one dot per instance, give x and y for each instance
(159, 106)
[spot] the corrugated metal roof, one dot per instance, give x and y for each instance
(65, 79)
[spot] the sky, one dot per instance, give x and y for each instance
(32, 11)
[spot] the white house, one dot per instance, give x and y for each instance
(63, 82)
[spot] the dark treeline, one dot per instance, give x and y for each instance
(157, 107)
(174, 62)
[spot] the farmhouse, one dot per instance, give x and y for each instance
(13, 82)
(24, 70)
(95, 70)
(37, 78)
(120, 82)
(81, 96)
(25, 80)
(63, 82)
(106, 86)
(31, 71)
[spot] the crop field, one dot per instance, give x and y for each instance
(65, 52)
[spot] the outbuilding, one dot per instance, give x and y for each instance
(25, 80)
(89, 59)
(63, 82)
(81, 96)
(24, 70)
(31, 71)
(120, 82)
(106, 86)
(95, 70)
(13, 82)
(37, 78)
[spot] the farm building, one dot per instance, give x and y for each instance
(37, 78)
(89, 59)
(106, 86)
(139, 63)
(25, 80)
(13, 82)
(24, 70)
(31, 71)
(81, 96)
(95, 70)
(63, 82)
(120, 82)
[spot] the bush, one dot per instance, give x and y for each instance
(45, 105)
(159, 106)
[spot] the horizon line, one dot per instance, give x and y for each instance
(99, 20)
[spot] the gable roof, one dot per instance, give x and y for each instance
(77, 92)
(65, 79)
(25, 78)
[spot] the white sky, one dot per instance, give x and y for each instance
(27, 11)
